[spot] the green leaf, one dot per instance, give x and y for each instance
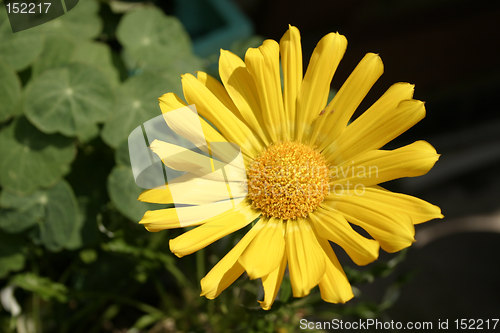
(21, 212)
(43, 287)
(122, 156)
(54, 210)
(10, 92)
(154, 41)
(11, 254)
(18, 49)
(61, 220)
(61, 50)
(98, 55)
(137, 102)
(124, 193)
(69, 100)
(81, 22)
(57, 50)
(161, 60)
(31, 159)
(149, 27)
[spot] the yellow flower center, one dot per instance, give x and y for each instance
(288, 180)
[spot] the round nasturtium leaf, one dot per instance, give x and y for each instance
(162, 60)
(57, 51)
(154, 41)
(18, 49)
(20, 212)
(124, 192)
(53, 211)
(10, 92)
(61, 219)
(148, 27)
(31, 159)
(137, 102)
(98, 55)
(69, 99)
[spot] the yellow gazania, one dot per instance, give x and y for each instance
(292, 128)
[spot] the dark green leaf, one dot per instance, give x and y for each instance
(124, 193)
(18, 49)
(149, 27)
(31, 159)
(137, 102)
(69, 100)
(97, 55)
(53, 210)
(61, 220)
(10, 92)
(122, 156)
(43, 287)
(21, 212)
(61, 50)
(156, 42)
(57, 50)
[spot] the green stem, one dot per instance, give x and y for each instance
(200, 264)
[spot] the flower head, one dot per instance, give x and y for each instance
(310, 173)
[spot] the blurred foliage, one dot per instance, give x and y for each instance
(71, 91)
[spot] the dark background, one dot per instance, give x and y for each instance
(450, 51)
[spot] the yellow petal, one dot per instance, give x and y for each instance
(210, 107)
(333, 286)
(161, 195)
(182, 159)
(227, 270)
(263, 64)
(194, 190)
(417, 209)
(169, 102)
(347, 99)
(334, 227)
(291, 62)
(218, 90)
(186, 123)
(169, 218)
(315, 87)
(266, 250)
(306, 260)
(241, 87)
(213, 229)
(387, 118)
(378, 166)
(394, 231)
(271, 284)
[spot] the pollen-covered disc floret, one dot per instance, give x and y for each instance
(288, 180)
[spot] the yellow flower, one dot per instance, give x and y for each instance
(311, 173)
